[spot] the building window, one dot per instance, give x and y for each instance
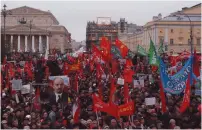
(198, 41)
(189, 41)
(171, 41)
(171, 30)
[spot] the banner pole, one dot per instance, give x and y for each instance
(97, 119)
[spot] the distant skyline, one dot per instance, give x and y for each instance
(74, 15)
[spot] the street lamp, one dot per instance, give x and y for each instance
(5, 13)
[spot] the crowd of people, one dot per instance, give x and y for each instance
(57, 99)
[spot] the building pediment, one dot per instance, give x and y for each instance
(27, 10)
(25, 28)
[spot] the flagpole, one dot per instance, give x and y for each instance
(97, 119)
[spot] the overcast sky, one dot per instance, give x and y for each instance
(74, 15)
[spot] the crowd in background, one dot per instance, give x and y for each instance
(22, 115)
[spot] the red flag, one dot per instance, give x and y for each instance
(37, 104)
(128, 64)
(99, 105)
(196, 67)
(76, 112)
(65, 68)
(99, 71)
(126, 109)
(163, 99)
(126, 93)
(98, 53)
(186, 99)
(114, 66)
(105, 46)
(128, 75)
(112, 91)
(123, 48)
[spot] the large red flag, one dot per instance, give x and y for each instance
(129, 63)
(126, 93)
(106, 48)
(99, 105)
(126, 109)
(123, 48)
(163, 99)
(114, 66)
(186, 98)
(112, 91)
(128, 75)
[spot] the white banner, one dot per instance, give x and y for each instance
(25, 89)
(120, 81)
(150, 101)
(138, 83)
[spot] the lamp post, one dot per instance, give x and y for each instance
(191, 43)
(5, 13)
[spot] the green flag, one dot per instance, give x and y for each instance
(152, 54)
(160, 50)
(141, 51)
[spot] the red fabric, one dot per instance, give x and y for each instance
(112, 91)
(106, 47)
(163, 99)
(98, 53)
(154, 68)
(98, 71)
(126, 93)
(99, 105)
(123, 48)
(186, 99)
(126, 109)
(128, 75)
(65, 68)
(114, 66)
(196, 67)
(129, 63)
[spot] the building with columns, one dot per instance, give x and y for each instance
(173, 31)
(33, 30)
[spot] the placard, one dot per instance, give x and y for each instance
(150, 101)
(138, 83)
(120, 81)
(141, 76)
(64, 77)
(25, 89)
(16, 84)
(198, 92)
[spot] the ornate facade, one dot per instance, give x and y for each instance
(32, 30)
(95, 31)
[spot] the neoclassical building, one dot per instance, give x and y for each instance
(34, 30)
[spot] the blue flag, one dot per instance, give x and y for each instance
(175, 84)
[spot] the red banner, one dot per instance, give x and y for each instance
(126, 109)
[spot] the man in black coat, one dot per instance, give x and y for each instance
(59, 96)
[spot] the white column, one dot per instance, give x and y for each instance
(25, 43)
(33, 49)
(40, 44)
(18, 43)
(11, 42)
(47, 43)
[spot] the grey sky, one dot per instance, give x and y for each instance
(74, 15)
